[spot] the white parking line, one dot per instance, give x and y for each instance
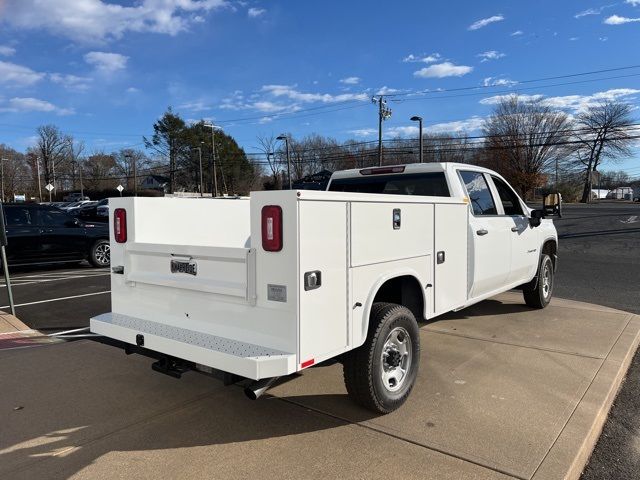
(57, 299)
(18, 282)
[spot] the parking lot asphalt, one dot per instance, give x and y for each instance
(599, 263)
(52, 298)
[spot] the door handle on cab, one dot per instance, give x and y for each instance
(482, 232)
(514, 229)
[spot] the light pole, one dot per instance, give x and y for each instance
(39, 184)
(79, 167)
(418, 119)
(2, 173)
(286, 143)
(214, 178)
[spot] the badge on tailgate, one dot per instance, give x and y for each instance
(184, 266)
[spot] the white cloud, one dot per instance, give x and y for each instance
(18, 75)
(498, 82)
(364, 132)
(517, 33)
(196, 106)
(499, 98)
(634, 3)
(106, 62)
(386, 91)
(574, 103)
(275, 99)
(132, 90)
(594, 11)
(350, 80)
(441, 70)
(255, 12)
(71, 82)
(289, 91)
(574, 39)
(30, 104)
(618, 20)
(486, 21)
(468, 125)
(411, 58)
(95, 21)
(490, 55)
(7, 51)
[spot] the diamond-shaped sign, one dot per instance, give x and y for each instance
(49, 187)
(120, 188)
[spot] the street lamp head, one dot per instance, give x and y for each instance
(282, 137)
(416, 118)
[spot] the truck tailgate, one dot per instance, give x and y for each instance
(220, 270)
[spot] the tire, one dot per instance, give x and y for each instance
(373, 372)
(100, 254)
(540, 296)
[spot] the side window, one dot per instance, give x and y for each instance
(479, 193)
(53, 218)
(509, 199)
(18, 217)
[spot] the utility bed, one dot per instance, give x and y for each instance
(192, 278)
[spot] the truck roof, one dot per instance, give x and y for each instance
(406, 168)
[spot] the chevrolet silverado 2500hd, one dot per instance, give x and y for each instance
(269, 285)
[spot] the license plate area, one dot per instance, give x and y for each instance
(188, 267)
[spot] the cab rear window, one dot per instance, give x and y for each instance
(428, 184)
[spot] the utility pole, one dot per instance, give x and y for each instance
(214, 177)
(556, 189)
(53, 167)
(419, 120)
(286, 143)
(133, 162)
(384, 113)
(201, 178)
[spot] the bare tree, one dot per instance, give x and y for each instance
(128, 158)
(268, 145)
(603, 131)
(52, 147)
(524, 139)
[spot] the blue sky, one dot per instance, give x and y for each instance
(104, 71)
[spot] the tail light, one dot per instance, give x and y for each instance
(272, 228)
(120, 225)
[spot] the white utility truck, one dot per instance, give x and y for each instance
(266, 286)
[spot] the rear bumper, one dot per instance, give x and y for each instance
(244, 359)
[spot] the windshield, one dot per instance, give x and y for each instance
(427, 184)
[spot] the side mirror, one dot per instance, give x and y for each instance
(536, 218)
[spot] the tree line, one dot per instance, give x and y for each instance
(530, 143)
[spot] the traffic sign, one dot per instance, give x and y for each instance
(120, 188)
(49, 187)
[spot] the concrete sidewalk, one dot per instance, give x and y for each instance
(504, 392)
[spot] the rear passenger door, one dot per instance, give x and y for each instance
(61, 236)
(23, 235)
(489, 237)
(524, 238)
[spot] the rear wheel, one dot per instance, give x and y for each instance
(540, 296)
(381, 373)
(100, 254)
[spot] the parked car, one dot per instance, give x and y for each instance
(89, 211)
(74, 197)
(299, 277)
(72, 205)
(46, 234)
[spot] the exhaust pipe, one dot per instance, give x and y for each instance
(257, 388)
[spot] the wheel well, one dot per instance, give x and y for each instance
(404, 290)
(550, 247)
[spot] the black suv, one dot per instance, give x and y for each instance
(46, 234)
